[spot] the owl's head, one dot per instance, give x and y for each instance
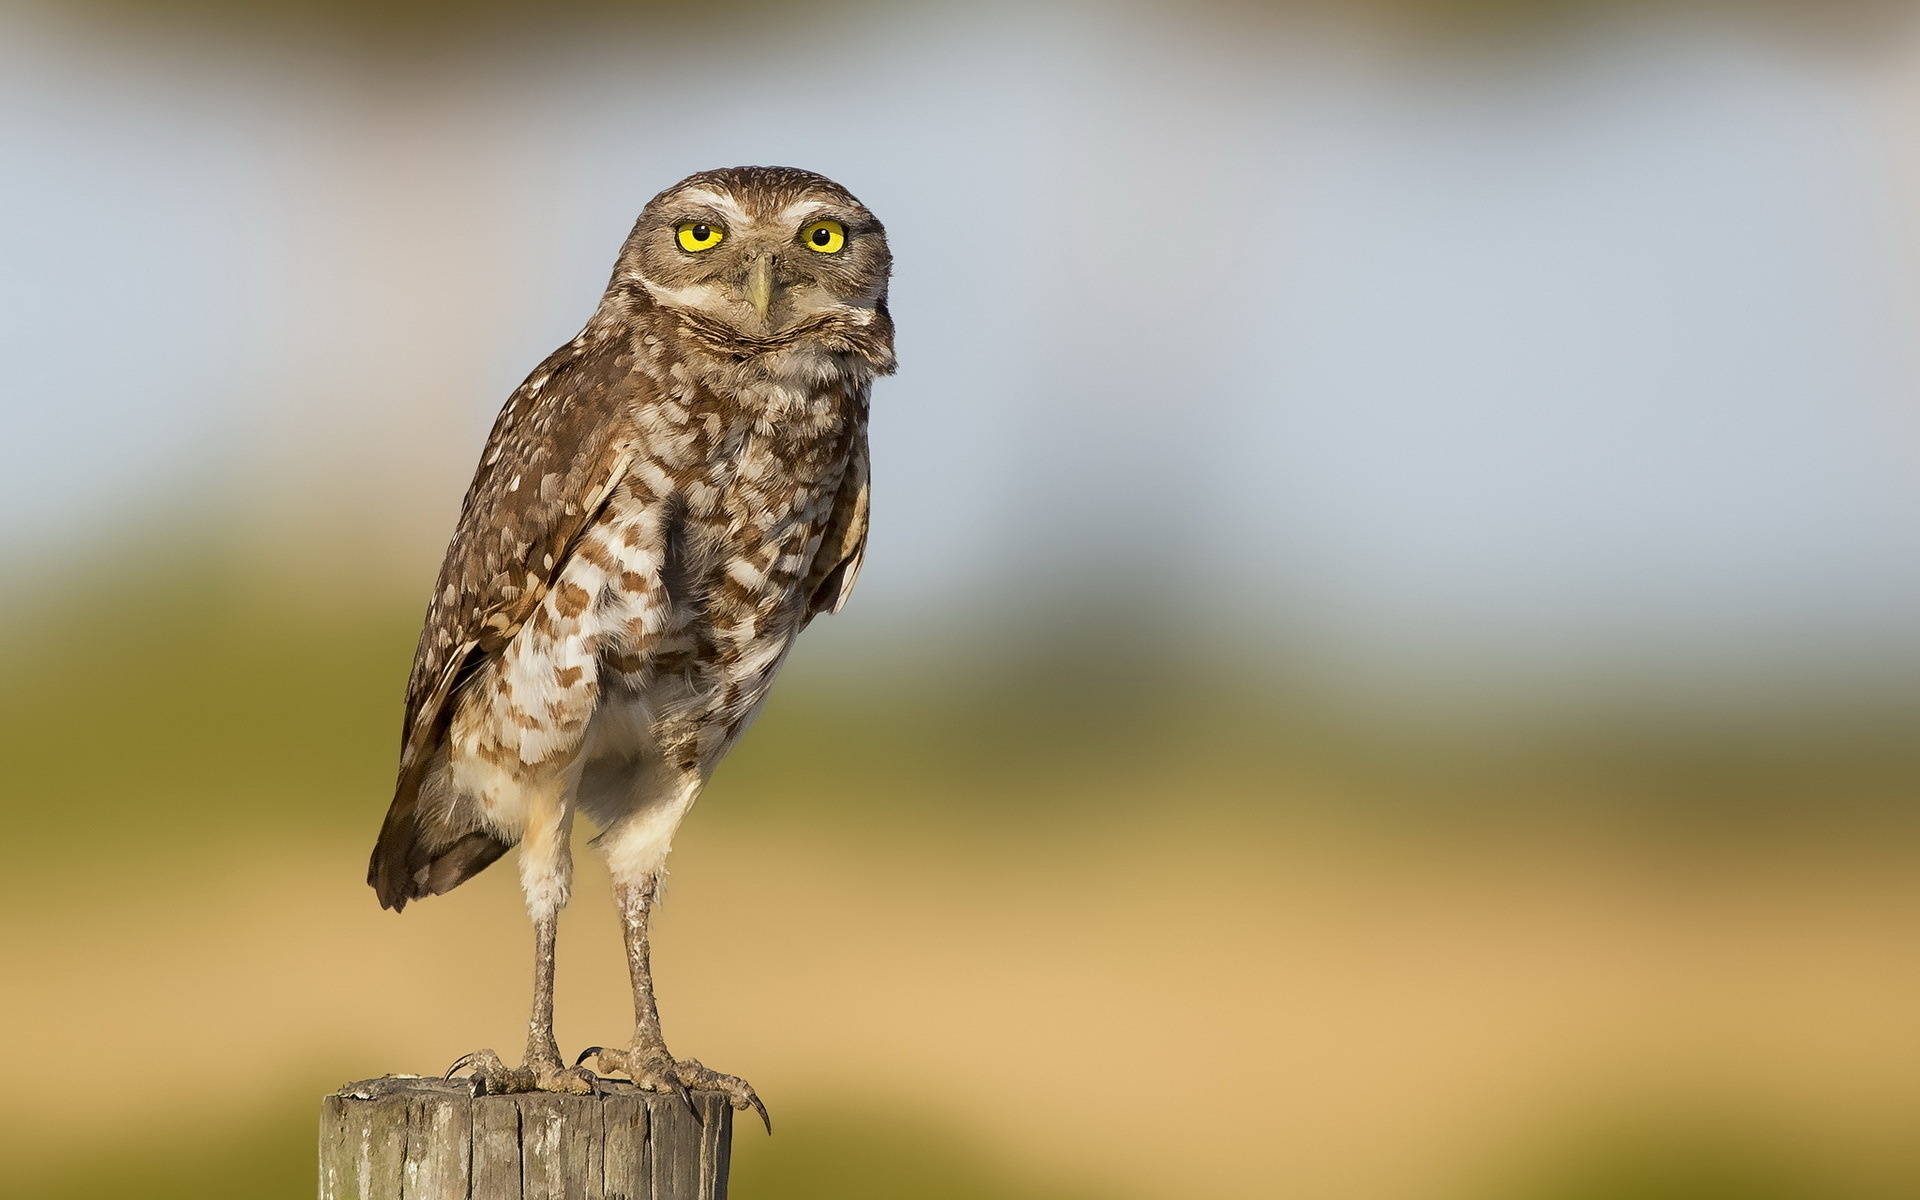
(762, 253)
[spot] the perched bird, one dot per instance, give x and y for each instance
(661, 508)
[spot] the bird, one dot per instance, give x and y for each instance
(659, 510)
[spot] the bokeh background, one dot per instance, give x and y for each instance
(1389, 661)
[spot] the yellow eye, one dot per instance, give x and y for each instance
(824, 237)
(698, 235)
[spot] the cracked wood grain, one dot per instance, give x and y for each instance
(404, 1138)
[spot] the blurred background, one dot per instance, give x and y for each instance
(1389, 659)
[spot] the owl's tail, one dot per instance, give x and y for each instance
(426, 854)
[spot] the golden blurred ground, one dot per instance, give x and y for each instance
(1026, 940)
(1155, 1012)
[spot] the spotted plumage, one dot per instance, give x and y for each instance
(661, 507)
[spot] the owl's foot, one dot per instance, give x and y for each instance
(540, 1073)
(652, 1069)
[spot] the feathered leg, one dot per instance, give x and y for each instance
(546, 875)
(636, 856)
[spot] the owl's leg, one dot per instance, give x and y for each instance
(636, 857)
(546, 875)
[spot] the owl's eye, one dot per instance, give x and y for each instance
(824, 237)
(698, 235)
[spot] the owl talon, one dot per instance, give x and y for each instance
(739, 1092)
(652, 1069)
(461, 1063)
(492, 1077)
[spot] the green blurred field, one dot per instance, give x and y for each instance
(1081, 917)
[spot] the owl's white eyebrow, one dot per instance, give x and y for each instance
(800, 209)
(722, 204)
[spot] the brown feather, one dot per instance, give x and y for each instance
(549, 464)
(830, 580)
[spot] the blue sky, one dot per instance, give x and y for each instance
(1427, 359)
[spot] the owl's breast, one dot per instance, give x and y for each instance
(749, 476)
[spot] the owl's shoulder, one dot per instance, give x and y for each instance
(554, 454)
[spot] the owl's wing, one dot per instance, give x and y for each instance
(553, 458)
(837, 563)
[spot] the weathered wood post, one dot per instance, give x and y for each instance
(407, 1138)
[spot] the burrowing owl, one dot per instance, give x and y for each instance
(661, 508)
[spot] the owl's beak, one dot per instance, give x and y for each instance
(760, 285)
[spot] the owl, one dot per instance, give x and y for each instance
(661, 508)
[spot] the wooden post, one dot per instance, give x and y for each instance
(406, 1138)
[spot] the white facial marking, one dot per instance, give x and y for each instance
(796, 213)
(720, 202)
(698, 295)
